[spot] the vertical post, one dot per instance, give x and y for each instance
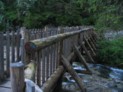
(43, 66)
(18, 43)
(13, 47)
(79, 39)
(25, 38)
(1, 57)
(22, 50)
(17, 76)
(60, 53)
(8, 52)
(60, 48)
(38, 54)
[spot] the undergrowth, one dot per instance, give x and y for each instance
(110, 52)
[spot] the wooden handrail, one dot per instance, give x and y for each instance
(38, 44)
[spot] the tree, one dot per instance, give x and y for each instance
(37, 13)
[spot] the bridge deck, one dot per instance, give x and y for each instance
(6, 86)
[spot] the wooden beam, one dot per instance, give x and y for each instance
(88, 54)
(49, 84)
(90, 47)
(38, 44)
(1, 57)
(73, 73)
(92, 44)
(82, 59)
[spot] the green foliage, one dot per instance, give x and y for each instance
(1, 15)
(37, 13)
(111, 52)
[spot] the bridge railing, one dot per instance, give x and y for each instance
(12, 45)
(47, 52)
(46, 55)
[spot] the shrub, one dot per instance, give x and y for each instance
(110, 52)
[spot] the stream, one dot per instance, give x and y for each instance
(103, 79)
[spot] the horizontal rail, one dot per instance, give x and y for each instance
(38, 44)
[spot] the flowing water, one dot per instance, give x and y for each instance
(103, 79)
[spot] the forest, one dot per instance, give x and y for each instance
(103, 14)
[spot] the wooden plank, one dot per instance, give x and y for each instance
(43, 67)
(57, 54)
(18, 44)
(60, 49)
(88, 54)
(90, 46)
(50, 51)
(8, 53)
(1, 57)
(13, 47)
(53, 57)
(73, 73)
(22, 50)
(47, 63)
(38, 58)
(91, 37)
(94, 48)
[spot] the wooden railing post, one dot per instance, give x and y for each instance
(17, 76)
(60, 47)
(60, 52)
(79, 40)
(1, 57)
(24, 34)
(25, 38)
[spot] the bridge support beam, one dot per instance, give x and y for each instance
(50, 84)
(73, 73)
(92, 50)
(82, 59)
(88, 54)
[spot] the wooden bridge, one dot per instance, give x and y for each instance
(46, 57)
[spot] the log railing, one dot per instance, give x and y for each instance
(48, 53)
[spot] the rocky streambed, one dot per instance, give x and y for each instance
(103, 79)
